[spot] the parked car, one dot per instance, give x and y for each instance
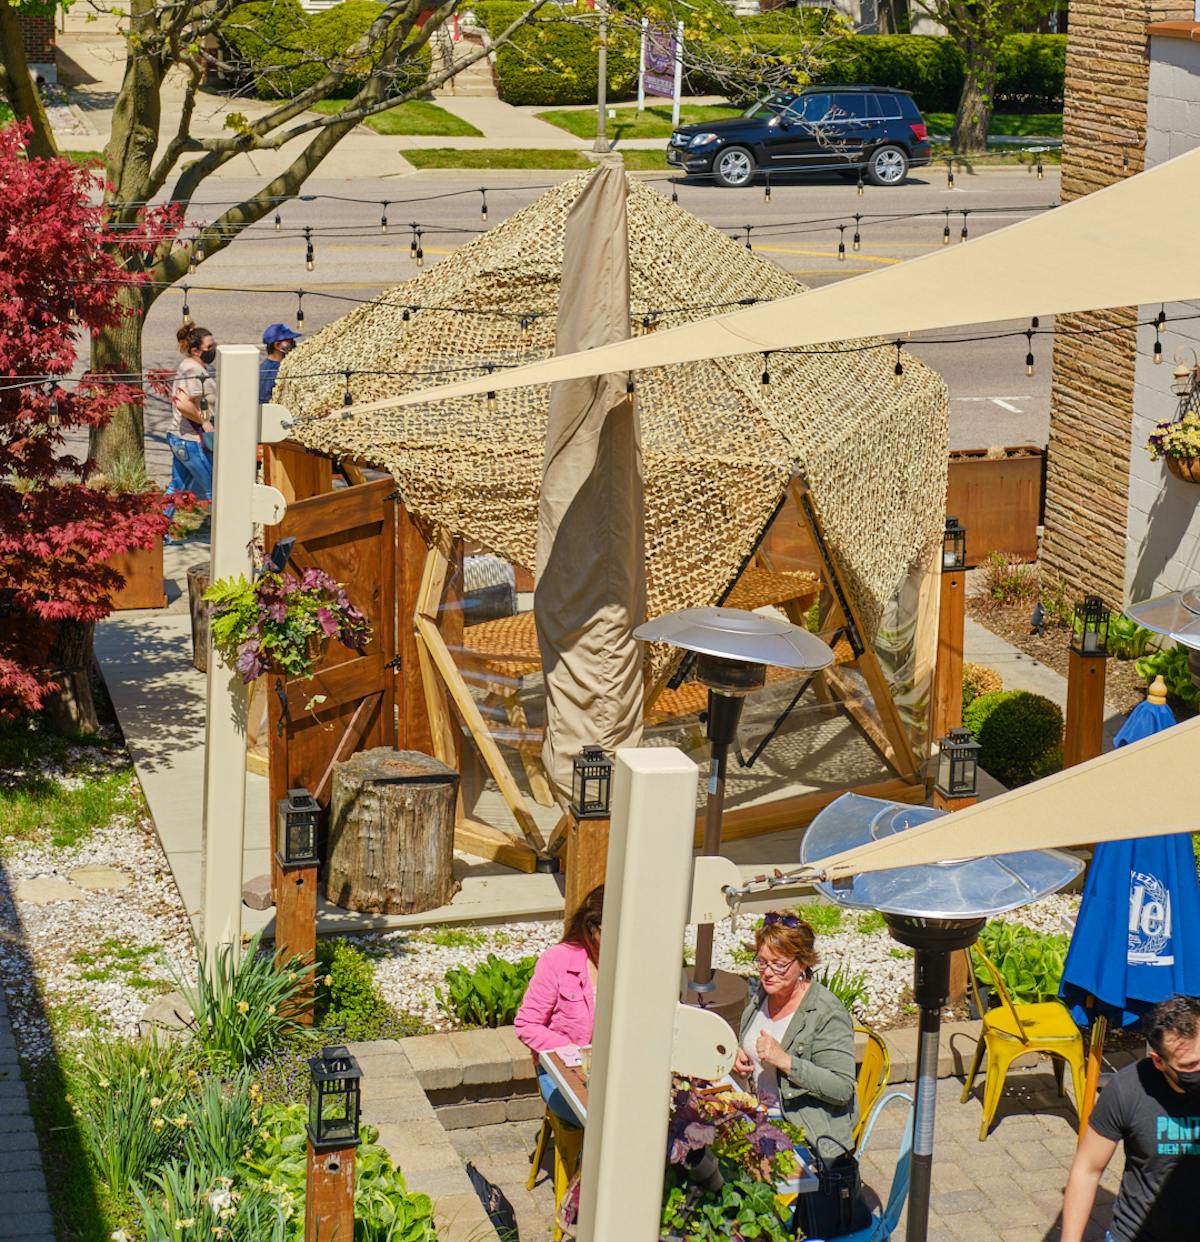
(875, 130)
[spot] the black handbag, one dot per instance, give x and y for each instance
(836, 1206)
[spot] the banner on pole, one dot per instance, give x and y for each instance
(658, 70)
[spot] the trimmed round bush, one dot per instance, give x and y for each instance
(1017, 732)
(252, 31)
(979, 679)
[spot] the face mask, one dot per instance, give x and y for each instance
(1188, 1080)
(208, 356)
(286, 347)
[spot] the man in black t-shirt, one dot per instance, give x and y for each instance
(1153, 1107)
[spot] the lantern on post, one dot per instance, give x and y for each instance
(958, 766)
(591, 784)
(334, 1109)
(954, 546)
(297, 818)
(1089, 634)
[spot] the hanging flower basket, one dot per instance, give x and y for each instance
(281, 624)
(1185, 468)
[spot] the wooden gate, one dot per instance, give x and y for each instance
(349, 703)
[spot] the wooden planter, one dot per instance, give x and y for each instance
(142, 569)
(997, 499)
(1185, 468)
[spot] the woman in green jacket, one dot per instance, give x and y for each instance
(796, 1038)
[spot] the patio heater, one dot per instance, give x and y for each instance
(1177, 616)
(733, 649)
(934, 910)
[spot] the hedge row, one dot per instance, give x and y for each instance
(553, 62)
(284, 50)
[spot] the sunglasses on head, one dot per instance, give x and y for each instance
(788, 920)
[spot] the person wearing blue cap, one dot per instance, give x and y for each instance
(279, 340)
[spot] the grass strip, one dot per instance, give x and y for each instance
(415, 118)
(652, 122)
(523, 157)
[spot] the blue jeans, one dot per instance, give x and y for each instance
(194, 465)
(556, 1102)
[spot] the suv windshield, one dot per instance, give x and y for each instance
(774, 104)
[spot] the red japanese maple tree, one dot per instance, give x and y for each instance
(60, 270)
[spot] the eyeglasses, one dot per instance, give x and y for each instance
(773, 968)
(788, 920)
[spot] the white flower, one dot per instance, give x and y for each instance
(218, 1200)
(119, 1235)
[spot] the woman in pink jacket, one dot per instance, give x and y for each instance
(560, 1003)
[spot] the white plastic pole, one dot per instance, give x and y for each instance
(648, 884)
(234, 468)
(641, 103)
(678, 74)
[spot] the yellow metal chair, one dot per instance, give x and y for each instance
(1011, 1031)
(568, 1143)
(872, 1077)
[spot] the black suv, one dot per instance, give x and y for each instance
(875, 130)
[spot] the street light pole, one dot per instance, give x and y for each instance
(601, 144)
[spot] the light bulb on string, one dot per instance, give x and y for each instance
(1161, 318)
(483, 212)
(1041, 172)
(764, 384)
(383, 220)
(648, 323)
(1030, 366)
(862, 189)
(491, 397)
(407, 314)
(299, 311)
(309, 256)
(1035, 323)
(857, 243)
(347, 396)
(420, 251)
(962, 237)
(674, 193)
(278, 223)
(898, 369)
(412, 245)
(73, 310)
(946, 228)
(192, 257)
(767, 189)
(949, 174)
(630, 386)
(187, 310)
(1157, 352)
(841, 253)
(52, 415)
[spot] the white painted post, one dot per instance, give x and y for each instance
(234, 469)
(648, 884)
(641, 103)
(678, 74)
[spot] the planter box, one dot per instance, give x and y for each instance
(999, 500)
(142, 569)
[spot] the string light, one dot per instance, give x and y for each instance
(299, 311)
(308, 249)
(491, 397)
(383, 221)
(1035, 323)
(674, 194)
(949, 174)
(187, 310)
(767, 189)
(407, 315)
(946, 228)
(347, 396)
(1029, 363)
(748, 227)
(765, 383)
(1161, 318)
(1157, 353)
(412, 245)
(898, 369)
(862, 189)
(841, 243)
(962, 237)
(1040, 171)
(278, 223)
(857, 238)
(483, 212)
(648, 323)
(196, 257)
(630, 387)
(420, 250)
(52, 414)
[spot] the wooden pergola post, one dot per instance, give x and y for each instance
(947, 677)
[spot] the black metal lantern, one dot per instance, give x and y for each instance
(334, 1098)
(958, 765)
(954, 546)
(296, 820)
(1089, 634)
(591, 784)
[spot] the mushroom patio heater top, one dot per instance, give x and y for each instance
(933, 909)
(733, 648)
(1177, 616)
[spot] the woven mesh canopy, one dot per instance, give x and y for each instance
(718, 452)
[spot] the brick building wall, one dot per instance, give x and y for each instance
(1091, 393)
(37, 36)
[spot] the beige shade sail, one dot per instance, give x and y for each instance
(1146, 789)
(591, 580)
(1106, 249)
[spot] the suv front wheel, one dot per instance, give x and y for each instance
(888, 165)
(733, 168)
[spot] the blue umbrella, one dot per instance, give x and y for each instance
(1137, 937)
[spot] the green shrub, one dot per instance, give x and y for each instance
(850, 989)
(1009, 580)
(1029, 962)
(252, 31)
(219, 1122)
(1032, 69)
(489, 995)
(1126, 639)
(979, 679)
(1015, 730)
(349, 1000)
(554, 61)
(1173, 665)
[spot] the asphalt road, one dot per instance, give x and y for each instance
(993, 401)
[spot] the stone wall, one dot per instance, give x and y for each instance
(1163, 548)
(1091, 393)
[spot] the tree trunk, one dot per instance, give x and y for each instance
(119, 348)
(391, 833)
(893, 17)
(71, 708)
(20, 89)
(974, 116)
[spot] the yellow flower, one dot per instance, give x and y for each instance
(155, 1101)
(186, 1223)
(104, 1084)
(243, 1006)
(328, 981)
(181, 1121)
(255, 1091)
(143, 1072)
(271, 1010)
(158, 1123)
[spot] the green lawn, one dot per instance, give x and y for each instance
(522, 157)
(416, 117)
(653, 122)
(1006, 124)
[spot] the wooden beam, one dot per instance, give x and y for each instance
(947, 673)
(350, 734)
(799, 809)
(1084, 735)
(484, 841)
(296, 472)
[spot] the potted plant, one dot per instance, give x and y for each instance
(279, 623)
(141, 567)
(1178, 443)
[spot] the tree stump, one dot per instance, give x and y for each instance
(391, 833)
(71, 708)
(197, 581)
